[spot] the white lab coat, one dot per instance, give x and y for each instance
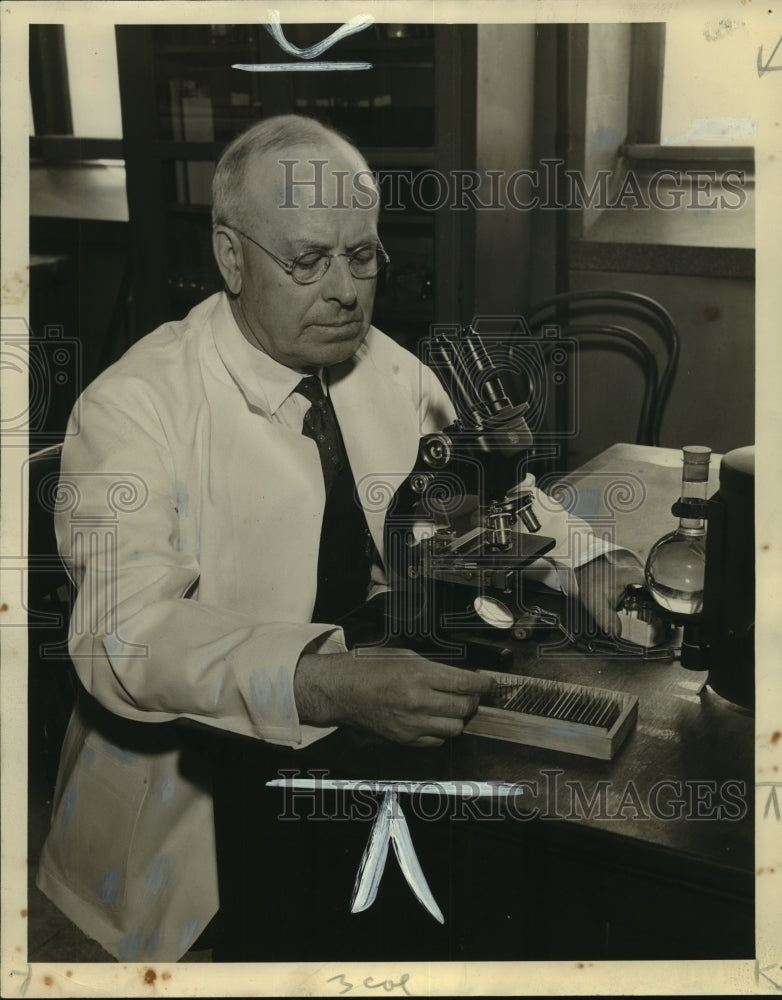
(190, 520)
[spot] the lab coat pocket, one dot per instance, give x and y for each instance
(95, 819)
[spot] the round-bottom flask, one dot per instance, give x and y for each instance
(674, 573)
(676, 564)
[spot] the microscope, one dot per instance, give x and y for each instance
(462, 526)
(460, 531)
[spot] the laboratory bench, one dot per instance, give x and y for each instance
(648, 855)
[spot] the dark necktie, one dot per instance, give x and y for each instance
(320, 424)
(346, 547)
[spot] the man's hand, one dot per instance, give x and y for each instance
(399, 695)
(601, 584)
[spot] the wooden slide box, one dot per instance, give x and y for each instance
(572, 702)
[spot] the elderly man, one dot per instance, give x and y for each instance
(199, 487)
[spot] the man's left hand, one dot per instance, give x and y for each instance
(601, 583)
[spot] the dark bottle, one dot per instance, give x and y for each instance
(728, 619)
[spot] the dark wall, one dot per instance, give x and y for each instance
(78, 313)
(712, 401)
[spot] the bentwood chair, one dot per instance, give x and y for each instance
(634, 325)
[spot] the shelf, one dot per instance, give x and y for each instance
(376, 156)
(182, 54)
(399, 156)
(365, 43)
(189, 284)
(357, 44)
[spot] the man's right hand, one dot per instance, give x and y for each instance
(397, 694)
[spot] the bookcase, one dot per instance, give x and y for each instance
(412, 115)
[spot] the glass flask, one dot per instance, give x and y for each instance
(677, 562)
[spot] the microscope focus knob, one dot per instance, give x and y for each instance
(436, 450)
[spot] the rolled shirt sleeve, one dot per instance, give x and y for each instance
(576, 544)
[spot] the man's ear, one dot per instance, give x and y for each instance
(228, 254)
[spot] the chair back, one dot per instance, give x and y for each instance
(45, 572)
(632, 324)
(52, 682)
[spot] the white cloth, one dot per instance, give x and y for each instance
(190, 521)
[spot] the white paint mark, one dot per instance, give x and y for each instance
(716, 129)
(391, 825)
(689, 697)
(464, 788)
(408, 862)
(692, 685)
(373, 861)
(311, 52)
(660, 734)
(357, 23)
(321, 67)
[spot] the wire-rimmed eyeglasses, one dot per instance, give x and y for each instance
(310, 266)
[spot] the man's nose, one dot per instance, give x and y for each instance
(339, 283)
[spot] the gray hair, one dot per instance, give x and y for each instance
(277, 133)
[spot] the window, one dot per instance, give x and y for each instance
(664, 110)
(690, 86)
(91, 60)
(74, 92)
(708, 83)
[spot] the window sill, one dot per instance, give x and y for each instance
(722, 157)
(646, 258)
(685, 221)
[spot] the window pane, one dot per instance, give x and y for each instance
(707, 83)
(91, 51)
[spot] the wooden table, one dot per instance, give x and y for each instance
(629, 488)
(646, 856)
(674, 879)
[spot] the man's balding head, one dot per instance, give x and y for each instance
(281, 135)
(286, 191)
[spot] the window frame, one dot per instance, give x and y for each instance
(54, 140)
(635, 249)
(642, 145)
